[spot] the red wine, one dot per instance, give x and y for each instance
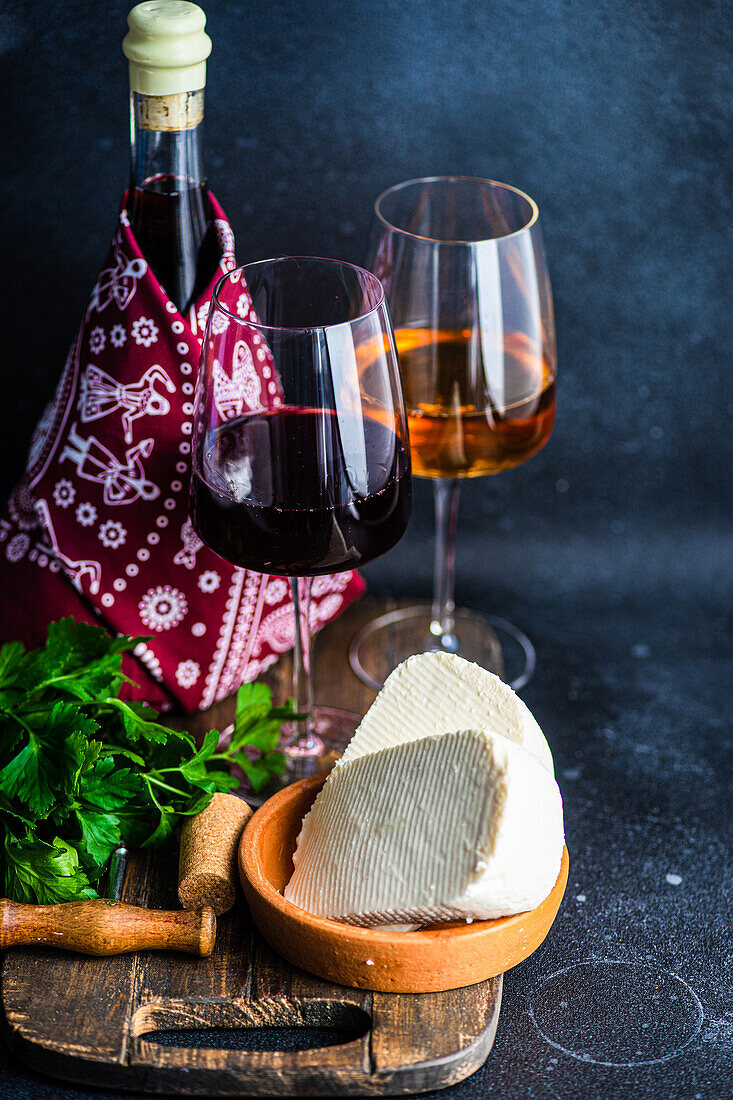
(301, 492)
(170, 219)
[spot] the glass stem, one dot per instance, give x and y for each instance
(442, 627)
(304, 741)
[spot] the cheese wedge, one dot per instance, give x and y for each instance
(459, 825)
(436, 692)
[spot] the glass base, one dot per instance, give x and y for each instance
(491, 642)
(333, 730)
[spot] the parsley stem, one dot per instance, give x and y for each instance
(152, 793)
(15, 717)
(165, 786)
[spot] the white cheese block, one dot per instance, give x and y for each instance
(437, 692)
(460, 825)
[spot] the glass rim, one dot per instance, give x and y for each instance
(535, 211)
(218, 304)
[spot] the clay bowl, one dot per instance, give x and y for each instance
(443, 957)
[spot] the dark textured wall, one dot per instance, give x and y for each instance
(614, 115)
(612, 548)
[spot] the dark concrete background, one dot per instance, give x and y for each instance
(612, 548)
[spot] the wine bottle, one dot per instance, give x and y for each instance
(167, 202)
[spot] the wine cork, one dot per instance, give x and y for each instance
(179, 111)
(207, 868)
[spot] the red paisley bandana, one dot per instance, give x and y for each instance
(98, 528)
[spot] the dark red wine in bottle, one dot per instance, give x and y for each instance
(280, 492)
(176, 236)
(168, 205)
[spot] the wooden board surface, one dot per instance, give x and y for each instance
(109, 1021)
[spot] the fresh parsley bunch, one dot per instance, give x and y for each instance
(80, 768)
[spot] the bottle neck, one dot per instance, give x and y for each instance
(165, 142)
(167, 205)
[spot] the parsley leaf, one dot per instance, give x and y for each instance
(44, 872)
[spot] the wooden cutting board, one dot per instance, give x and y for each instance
(160, 1022)
(101, 1021)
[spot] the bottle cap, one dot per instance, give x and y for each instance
(167, 47)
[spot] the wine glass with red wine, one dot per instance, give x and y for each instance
(463, 266)
(301, 458)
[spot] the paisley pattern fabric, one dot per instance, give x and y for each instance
(98, 527)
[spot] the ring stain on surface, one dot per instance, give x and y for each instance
(610, 1012)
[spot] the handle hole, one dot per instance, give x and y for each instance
(290, 1038)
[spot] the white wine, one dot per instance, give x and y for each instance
(457, 428)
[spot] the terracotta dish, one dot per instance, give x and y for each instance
(442, 957)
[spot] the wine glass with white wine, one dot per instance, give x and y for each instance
(463, 266)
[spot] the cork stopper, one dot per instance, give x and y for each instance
(167, 47)
(207, 869)
(179, 111)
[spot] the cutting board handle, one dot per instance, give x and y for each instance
(102, 927)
